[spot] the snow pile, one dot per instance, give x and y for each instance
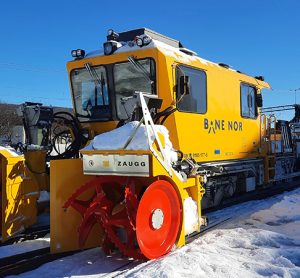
(11, 150)
(165, 48)
(190, 216)
(44, 196)
(116, 139)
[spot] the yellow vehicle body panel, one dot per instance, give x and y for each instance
(19, 194)
(221, 133)
(67, 176)
(36, 164)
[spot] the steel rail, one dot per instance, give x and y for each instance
(20, 263)
(28, 234)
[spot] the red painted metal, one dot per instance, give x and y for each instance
(154, 243)
(99, 209)
(131, 202)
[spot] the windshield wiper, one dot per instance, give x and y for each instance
(98, 81)
(140, 68)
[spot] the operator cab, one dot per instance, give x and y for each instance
(103, 90)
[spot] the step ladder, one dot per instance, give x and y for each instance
(276, 140)
(270, 168)
(272, 136)
(286, 137)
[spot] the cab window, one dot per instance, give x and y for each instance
(128, 80)
(194, 98)
(248, 101)
(90, 93)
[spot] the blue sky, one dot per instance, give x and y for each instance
(260, 37)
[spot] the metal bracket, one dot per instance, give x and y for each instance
(150, 127)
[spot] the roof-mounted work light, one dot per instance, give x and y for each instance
(110, 47)
(139, 41)
(142, 40)
(78, 53)
(112, 35)
(146, 40)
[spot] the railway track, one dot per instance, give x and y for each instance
(28, 261)
(28, 234)
(20, 263)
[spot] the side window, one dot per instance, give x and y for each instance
(248, 101)
(195, 100)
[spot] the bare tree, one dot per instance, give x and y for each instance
(8, 119)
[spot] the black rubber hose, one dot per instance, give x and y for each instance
(73, 128)
(162, 114)
(167, 115)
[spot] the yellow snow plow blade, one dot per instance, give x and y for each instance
(66, 177)
(19, 193)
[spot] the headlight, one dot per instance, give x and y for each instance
(142, 40)
(110, 47)
(78, 53)
(146, 40)
(112, 35)
(110, 32)
(139, 41)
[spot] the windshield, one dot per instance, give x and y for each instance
(91, 93)
(105, 93)
(129, 79)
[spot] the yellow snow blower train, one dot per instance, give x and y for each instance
(157, 134)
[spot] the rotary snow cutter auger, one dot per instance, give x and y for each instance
(112, 206)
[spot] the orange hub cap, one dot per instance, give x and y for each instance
(158, 219)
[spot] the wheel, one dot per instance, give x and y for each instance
(158, 219)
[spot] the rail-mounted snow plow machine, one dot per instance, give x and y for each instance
(157, 112)
(158, 134)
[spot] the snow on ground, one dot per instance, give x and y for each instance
(26, 246)
(262, 239)
(265, 243)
